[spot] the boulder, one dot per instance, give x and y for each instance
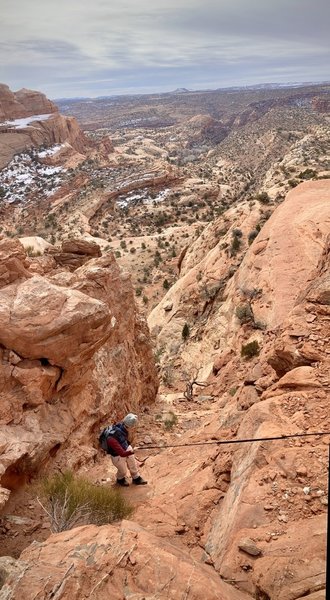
(13, 262)
(67, 328)
(74, 253)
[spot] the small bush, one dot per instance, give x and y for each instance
(263, 197)
(185, 331)
(166, 284)
(252, 235)
(235, 244)
(251, 349)
(70, 500)
(30, 251)
(307, 174)
(170, 420)
(244, 313)
(138, 291)
(293, 182)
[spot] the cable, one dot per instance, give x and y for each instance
(243, 441)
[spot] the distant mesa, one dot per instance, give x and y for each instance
(180, 91)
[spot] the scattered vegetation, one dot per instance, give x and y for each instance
(263, 197)
(252, 235)
(30, 251)
(251, 349)
(307, 174)
(70, 501)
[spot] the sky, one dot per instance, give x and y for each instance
(72, 48)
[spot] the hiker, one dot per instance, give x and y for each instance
(121, 451)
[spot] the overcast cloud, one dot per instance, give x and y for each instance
(98, 47)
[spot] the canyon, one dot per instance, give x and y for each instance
(167, 256)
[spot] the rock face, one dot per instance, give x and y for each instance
(273, 494)
(24, 103)
(95, 562)
(275, 270)
(74, 253)
(51, 130)
(74, 354)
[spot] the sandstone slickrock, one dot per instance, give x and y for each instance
(99, 562)
(293, 241)
(266, 490)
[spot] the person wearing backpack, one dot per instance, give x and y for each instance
(115, 441)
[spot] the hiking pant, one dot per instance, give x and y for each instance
(124, 463)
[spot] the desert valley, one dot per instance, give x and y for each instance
(167, 255)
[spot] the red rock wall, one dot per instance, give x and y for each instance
(75, 354)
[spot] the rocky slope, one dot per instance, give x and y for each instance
(254, 513)
(223, 288)
(248, 317)
(62, 366)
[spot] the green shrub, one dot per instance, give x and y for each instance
(307, 174)
(30, 251)
(251, 349)
(244, 313)
(166, 284)
(263, 197)
(252, 235)
(293, 182)
(170, 420)
(185, 331)
(235, 243)
(70, 501)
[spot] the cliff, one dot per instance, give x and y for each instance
(29, 119)
(24, 103)
(75, 353)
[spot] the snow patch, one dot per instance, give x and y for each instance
(22, 123)
(50, 151)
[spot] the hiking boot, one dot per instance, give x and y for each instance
(122, 482)
(139, 481)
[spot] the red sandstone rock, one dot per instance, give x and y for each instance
(104, 561)
(24, 103)
(76, 351)
(55, 129)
